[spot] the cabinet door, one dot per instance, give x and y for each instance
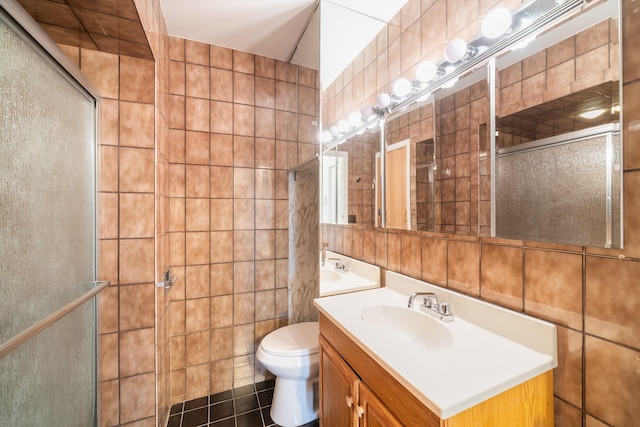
(372, 412)
(338, 389)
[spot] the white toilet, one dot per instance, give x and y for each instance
(291, 354)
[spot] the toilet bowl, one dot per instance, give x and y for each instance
(291, 354)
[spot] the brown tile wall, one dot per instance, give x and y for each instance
(361, 150)
(194, 154)
(418, 32)
(425, 195)
(576, 63)
(152, 20)
(237, 124)
(126, 324)
(591, 294)
(458, 120)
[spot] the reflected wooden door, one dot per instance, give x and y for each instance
(396, 188)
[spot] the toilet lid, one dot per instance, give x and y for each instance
(294, 340)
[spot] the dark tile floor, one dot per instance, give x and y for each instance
(247, 406)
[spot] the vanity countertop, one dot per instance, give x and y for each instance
(358, 277)
(344, 282)
(489, 349)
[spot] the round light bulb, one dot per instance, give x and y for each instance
(455, 50)
(366, 112)
(496, 23)
(325, 136)
(402, 88)
(334, 131)
(354, 119)
(426, 71)
(383, 100)
(344, 126)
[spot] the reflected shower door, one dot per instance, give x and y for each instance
(47, 239)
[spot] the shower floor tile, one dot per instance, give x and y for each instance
(246, 406)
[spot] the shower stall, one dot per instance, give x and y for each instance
(47, 232)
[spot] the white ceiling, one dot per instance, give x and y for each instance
(287, 30)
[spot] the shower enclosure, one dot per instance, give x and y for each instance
(47, 233)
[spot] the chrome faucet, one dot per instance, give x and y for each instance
(340, 266)
(430, 305)
(426, 294)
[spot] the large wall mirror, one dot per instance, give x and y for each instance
(523, 143)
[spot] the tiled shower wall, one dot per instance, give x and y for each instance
(591, 294)
(127, 379)
(237, 123)
(152, 20)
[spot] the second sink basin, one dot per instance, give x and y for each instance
(407, 327)
(329, 275)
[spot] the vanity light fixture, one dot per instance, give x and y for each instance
(366, 112)
(326, 137)
(402, 88)
(355, 119)
(592, 114)
(427, 71)
(344, 126)
(496, 23)
(501, 31)
(457, 50)
(383, 100)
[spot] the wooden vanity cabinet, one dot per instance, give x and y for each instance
(374, 413)
(344, 399)
(355, 391)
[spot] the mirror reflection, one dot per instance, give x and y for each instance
(349, 181)
(438, 153)
(558, 146)
(448, 141)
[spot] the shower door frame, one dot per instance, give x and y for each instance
(23, 25)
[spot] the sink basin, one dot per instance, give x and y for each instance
(406, 327)
(329, 275)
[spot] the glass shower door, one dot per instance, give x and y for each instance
(47, 239)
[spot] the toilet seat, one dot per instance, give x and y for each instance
(300, 339)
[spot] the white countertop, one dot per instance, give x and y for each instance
(359, 276)
(493, 349)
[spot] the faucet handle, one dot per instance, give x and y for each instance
(430, 301)
(445, 309)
